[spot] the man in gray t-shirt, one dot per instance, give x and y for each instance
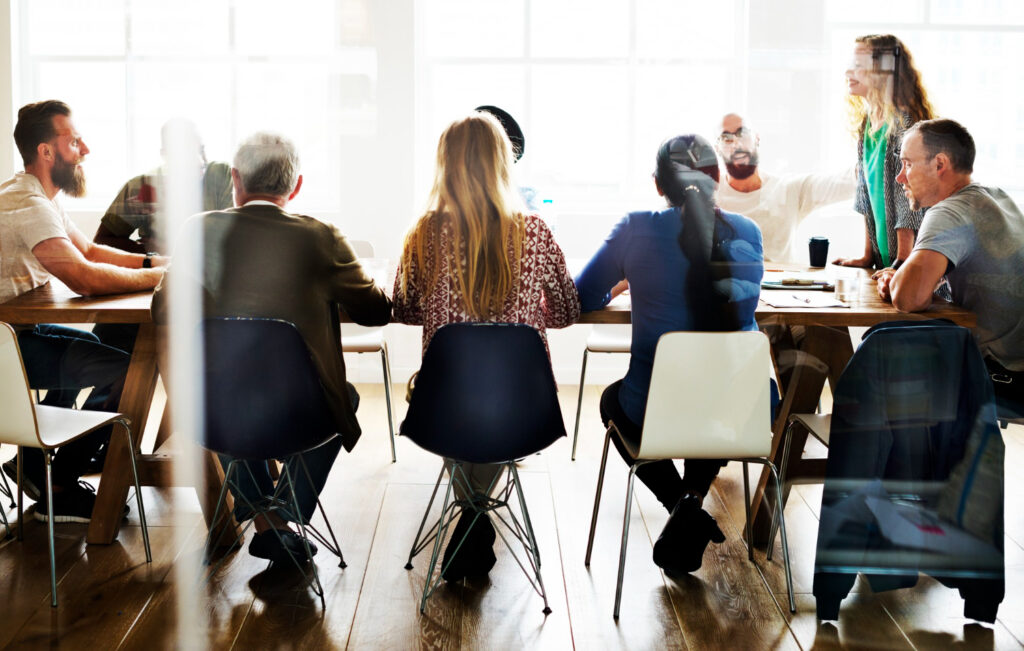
(971, 235)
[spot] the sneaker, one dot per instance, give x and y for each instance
(73, 504)
(268, 546)
(476, 555)
(11, 470)
(680, 547)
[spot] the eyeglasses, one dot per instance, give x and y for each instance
(731, 137)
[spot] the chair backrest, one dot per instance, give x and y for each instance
(262, 391)
(485, 393)
(18, 419)
(907, 401)
(709, 397)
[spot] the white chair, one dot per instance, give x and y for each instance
(360, 339)
(604, 338)
(27, 424)
(708, 399)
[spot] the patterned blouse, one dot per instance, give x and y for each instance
(545, 295)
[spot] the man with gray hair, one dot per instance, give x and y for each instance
(258, 260)
(973, 237)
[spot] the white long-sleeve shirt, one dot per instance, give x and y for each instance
(782, 203)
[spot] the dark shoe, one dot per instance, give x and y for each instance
(476, 555)
(680, 547)
(268, 546)
(73, 504)
(30, 488)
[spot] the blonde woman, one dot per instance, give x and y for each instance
(475, 255)
(886, 97)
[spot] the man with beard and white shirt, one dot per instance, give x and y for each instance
(37, 242)
(776, 203)
(972, 236)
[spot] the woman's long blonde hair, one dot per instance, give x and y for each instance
(896, 86)
(474, 198)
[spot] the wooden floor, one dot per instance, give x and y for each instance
(110, 598)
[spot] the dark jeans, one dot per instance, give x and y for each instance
(63, 361)
(319, 462)
(660, 476)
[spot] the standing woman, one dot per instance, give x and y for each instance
(690, 266)
(885, 98)
(477, 256)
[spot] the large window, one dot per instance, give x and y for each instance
(595, 86)
(307, 70)
(967, 52)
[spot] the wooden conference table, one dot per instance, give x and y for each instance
(821, 355)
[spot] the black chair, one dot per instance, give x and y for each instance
(914, 478)
(485, 394)
(264, 400)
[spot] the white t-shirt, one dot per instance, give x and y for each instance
(782, 203)
(27, 217)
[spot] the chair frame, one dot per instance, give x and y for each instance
(284, 498)
(479, 504)
(48, 459)
(109, 418)
(579, 399)
(628, 511)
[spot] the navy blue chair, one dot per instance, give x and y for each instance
(485, 393)
(914, 478)
(264, 400)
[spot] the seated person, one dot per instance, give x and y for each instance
(690, 266)
(135, 207)
(37, 242)
(476, 217)
(261, 261)
(973, 237)
(778, 204)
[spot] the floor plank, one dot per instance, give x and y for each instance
(109, 600)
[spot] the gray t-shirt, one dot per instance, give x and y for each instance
(981, 232)
(27, 217)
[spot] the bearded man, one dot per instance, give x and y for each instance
(37, 242)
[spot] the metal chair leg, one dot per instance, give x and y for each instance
(138, 489)
(579, 405)
(597, 495)
(21, 494)
(785, 542)
(746, 507)
(787, 443)
(441, 531)
(48, 457)
(318, 587)
(336, 549)
(386, 363)
(416, 541)
(531, 536)
(625, 539)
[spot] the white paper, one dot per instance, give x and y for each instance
(801, 299)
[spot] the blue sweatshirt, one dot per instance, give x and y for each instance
(643, 248)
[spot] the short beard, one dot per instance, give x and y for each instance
(740, 172)
(69, 178)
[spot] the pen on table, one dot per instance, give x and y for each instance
(801, 298)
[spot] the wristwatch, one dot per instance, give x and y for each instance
(147, 262)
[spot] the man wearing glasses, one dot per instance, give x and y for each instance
(777, 203)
